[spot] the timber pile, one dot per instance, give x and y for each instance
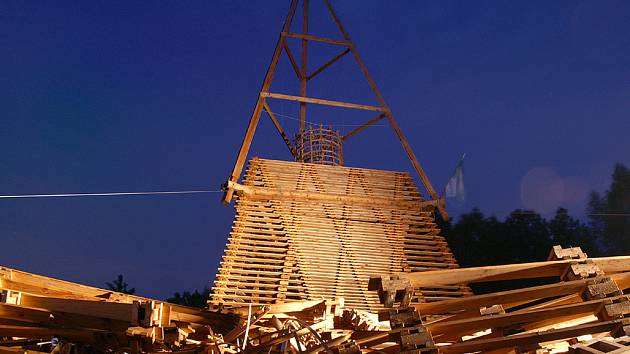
(307, 231)
(37, 308)
(587, 299)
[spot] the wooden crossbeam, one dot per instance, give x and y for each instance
(363, 126)
(309, 37)
(263, 193)
(319, 101)
(276, 123)
(82, 335)
(328, 63)
(296, 68)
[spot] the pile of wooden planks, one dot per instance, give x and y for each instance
(619, 345)
(587, 299)
(38, 309)
(40, 314)
(309, 231)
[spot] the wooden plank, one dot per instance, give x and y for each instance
(268, 193)
(9, 350)
(296, 68)
(280, 96)
(127, 312)
(82, 335)
(530, 338)
(56, 319)
(608, 265)
(304, 66)
(308, 37)
(276, 123)
(506, 297)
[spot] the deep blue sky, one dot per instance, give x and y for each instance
(134, 96)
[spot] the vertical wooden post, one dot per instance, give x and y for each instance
(304, 62)
(253, 121)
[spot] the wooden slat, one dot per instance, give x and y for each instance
(608, 265)
(281, 96)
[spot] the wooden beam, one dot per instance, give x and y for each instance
(82, 335)
(471, 325)
(390, 116)
(110, 310)
(309, 37)
(254, 119)
(363, 126)
(608, 265)
(503, 297)
(264, 193)
(328, 63)
(292, 60)
(281, 96)
(57, 319)
(13, 279)
(304, 66)
(530, 338)
(276, 123)
(48, 288)
(18, 350)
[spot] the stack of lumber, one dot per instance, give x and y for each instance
(587, 299)
(619, 345)
(40, 308)
(307, 231)
(40, 314)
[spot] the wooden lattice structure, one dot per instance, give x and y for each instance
(319, 145)
(331, 153)
(309, 231)
(313, 229)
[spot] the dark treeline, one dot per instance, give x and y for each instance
(525, 236)
(193, 299)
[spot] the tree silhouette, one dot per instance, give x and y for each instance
(569, 232)
(120, 286)
(194, 299)
(524, 236)
(609, 213)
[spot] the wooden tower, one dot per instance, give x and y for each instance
(312, 228)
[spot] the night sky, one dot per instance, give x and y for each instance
(145, 96)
